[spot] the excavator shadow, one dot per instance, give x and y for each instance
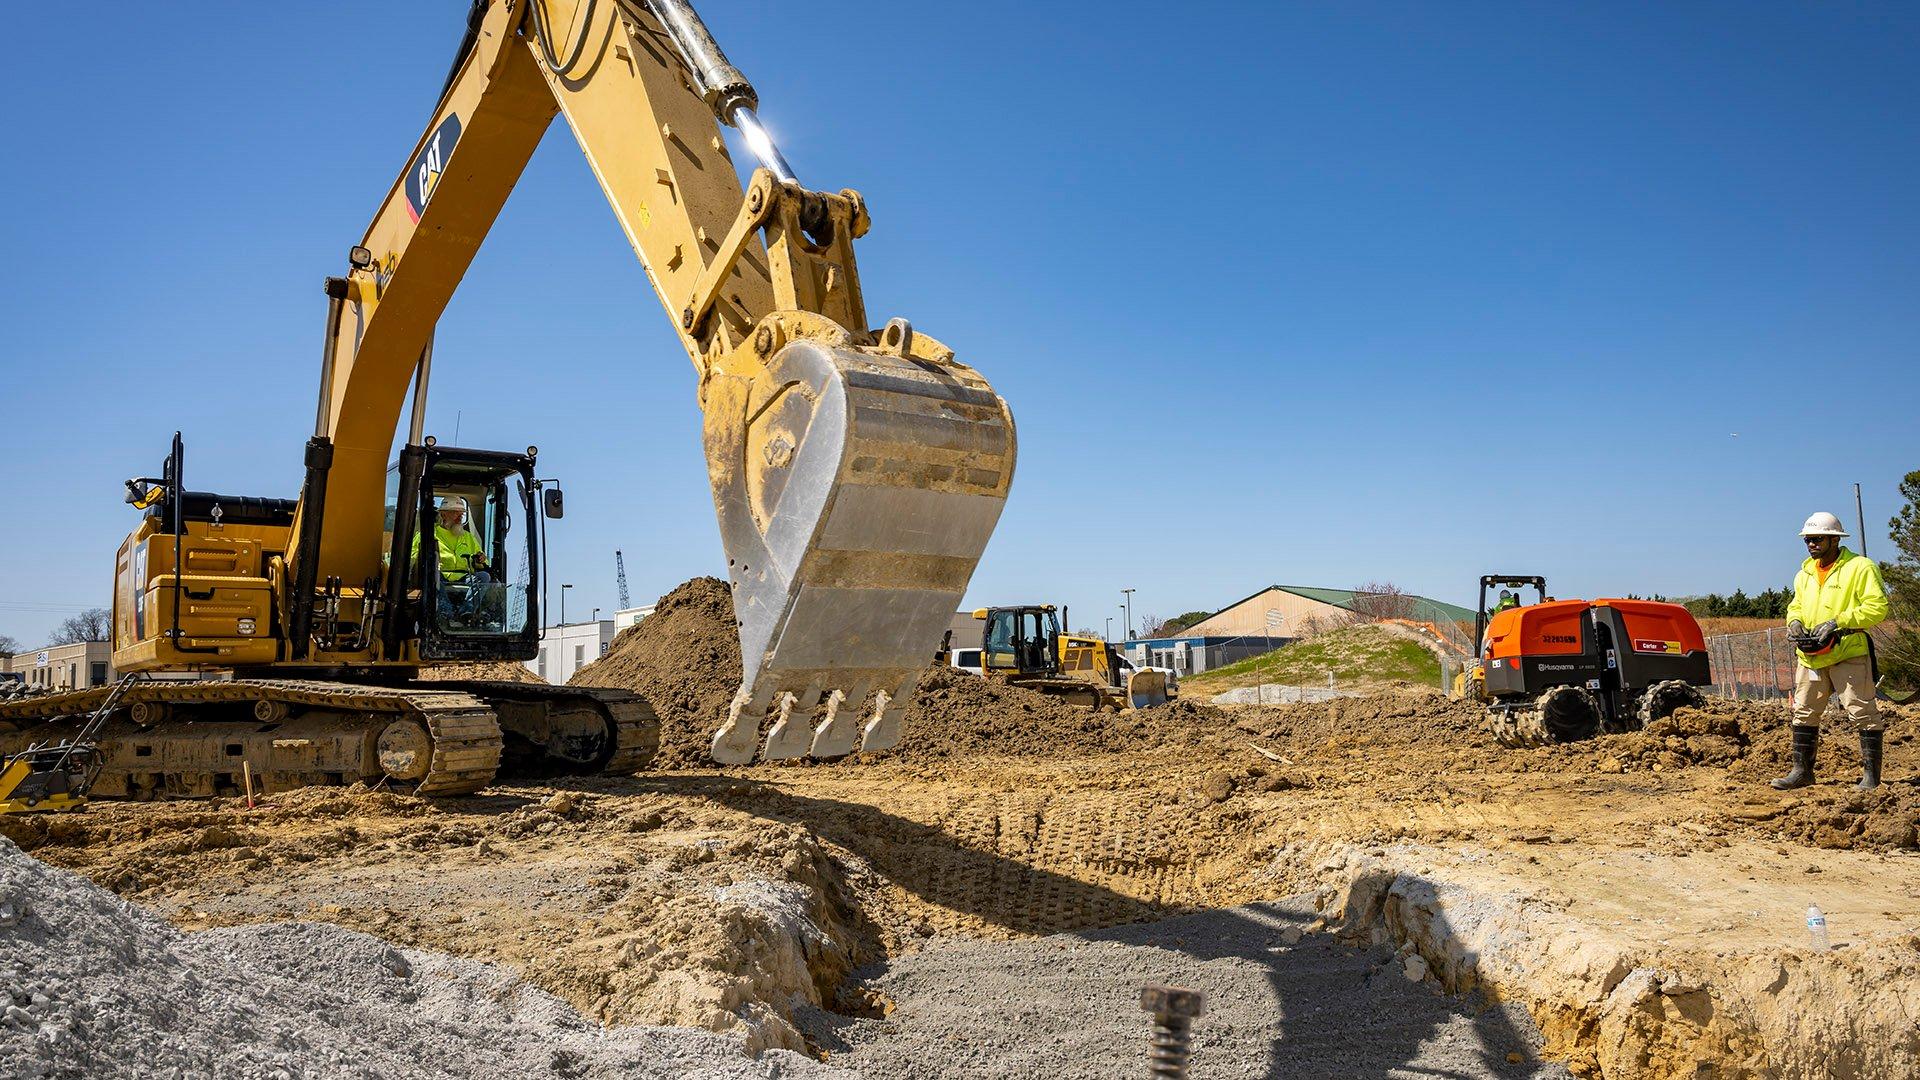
(1341, 1011)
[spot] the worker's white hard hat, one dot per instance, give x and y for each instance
(1822, 524)
(453, 502)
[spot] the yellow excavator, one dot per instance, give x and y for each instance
(857, 472)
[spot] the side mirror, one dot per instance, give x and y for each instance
(554, 502)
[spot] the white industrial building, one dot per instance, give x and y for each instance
(568, 648)
(78, 666)
(626, 617)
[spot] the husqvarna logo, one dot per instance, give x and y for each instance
(427, 169)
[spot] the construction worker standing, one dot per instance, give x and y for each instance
(1837, 597)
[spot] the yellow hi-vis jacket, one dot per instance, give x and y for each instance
(1853, 598)
(457, 550)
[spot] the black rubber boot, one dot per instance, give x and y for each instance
(1806, 743)
(1869, 760)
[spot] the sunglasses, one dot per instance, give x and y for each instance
(1816, 539)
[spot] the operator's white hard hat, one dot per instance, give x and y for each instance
(453, 502)
(1822, 524)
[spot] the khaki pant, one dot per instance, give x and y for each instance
(1852, 680)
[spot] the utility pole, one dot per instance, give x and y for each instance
(563, 604)
(1859, 519)
(1129, 607)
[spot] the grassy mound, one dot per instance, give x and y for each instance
(1357, 656)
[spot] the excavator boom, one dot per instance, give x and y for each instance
(857, 473)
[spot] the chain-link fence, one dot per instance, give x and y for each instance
(1756, 666)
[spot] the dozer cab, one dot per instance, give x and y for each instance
(1024, 646)
(1565, 670)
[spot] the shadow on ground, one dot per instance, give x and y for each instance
(1063, 1001)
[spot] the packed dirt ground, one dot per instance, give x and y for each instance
(1639, 897)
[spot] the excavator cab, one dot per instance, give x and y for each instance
(472, 560)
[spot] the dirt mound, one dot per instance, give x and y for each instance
(1751, 741)
(685, 660)
(501, 671)
(957, 715)
(1413, 718)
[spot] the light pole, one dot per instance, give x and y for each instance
(1109, 628)
(1859, 519)
(1129, 606)
(563, 604)
(1129, 633)
(595, 617)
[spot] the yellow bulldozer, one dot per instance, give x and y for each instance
(1024, 646)
(857, 471)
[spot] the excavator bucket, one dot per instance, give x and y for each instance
(856, 489)
(1146, 688)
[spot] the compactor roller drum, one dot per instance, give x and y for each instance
(1562, 714)
(1663, 699)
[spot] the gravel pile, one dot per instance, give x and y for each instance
(91, 986)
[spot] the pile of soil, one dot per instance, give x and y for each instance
(497, 671)
(1712, 735)
(1752, 742)
(685, 660)
(1410, 718)
(955, 715)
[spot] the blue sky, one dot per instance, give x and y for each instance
(1370, 291)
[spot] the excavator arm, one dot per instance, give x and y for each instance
(857, 473)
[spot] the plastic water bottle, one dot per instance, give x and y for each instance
(1817, 927)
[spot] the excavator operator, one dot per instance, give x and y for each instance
(461, 553)
(463, 560)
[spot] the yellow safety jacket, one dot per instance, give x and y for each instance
(457, 550)
(1853, 597)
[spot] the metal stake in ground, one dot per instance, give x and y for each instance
(1174, 1009)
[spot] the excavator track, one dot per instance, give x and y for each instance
(560, 729)
(199, 738)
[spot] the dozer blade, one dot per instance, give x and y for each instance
(856, 490)
(1146, 688)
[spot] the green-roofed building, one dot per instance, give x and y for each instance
(1279, 614)
(1298, 610)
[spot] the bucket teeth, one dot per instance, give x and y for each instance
(836, 734)
(882, 731)
(791, 736)
(738, 739)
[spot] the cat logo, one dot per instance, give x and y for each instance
(427, 169)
